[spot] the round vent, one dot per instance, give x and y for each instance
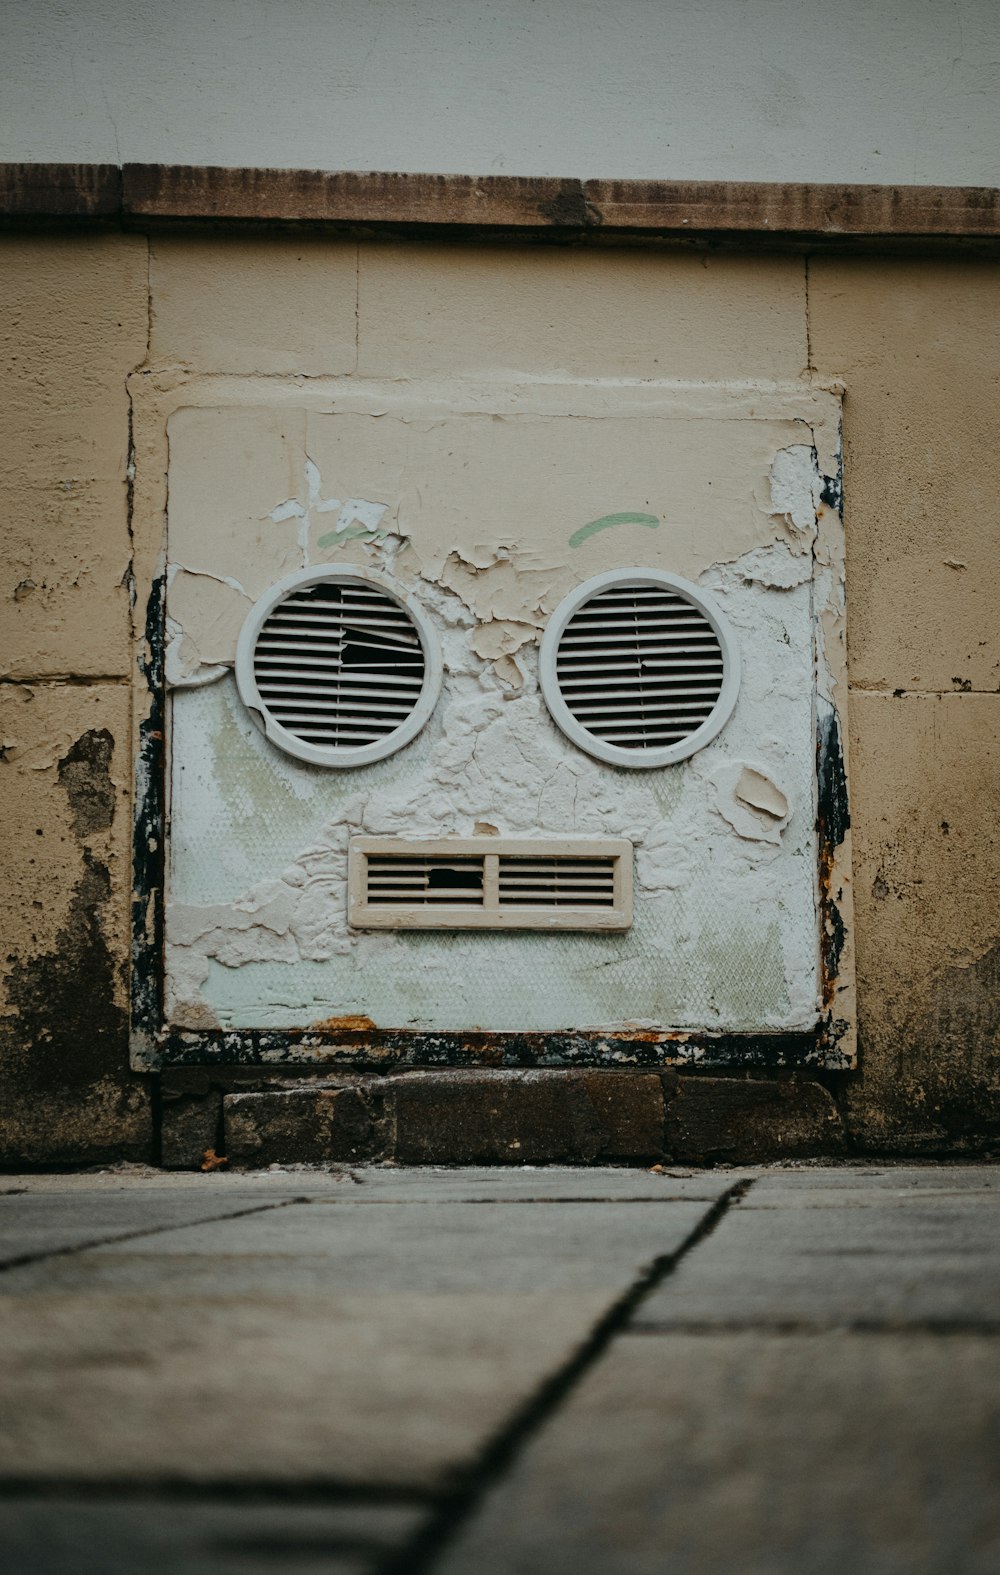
(639, 668)
(337, 668)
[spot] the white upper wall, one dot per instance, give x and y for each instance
(896, 91)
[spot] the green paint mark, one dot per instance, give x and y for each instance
(607, 520)
(352, 533)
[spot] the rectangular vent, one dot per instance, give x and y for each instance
(497, 883)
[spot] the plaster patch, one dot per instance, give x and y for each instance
(796, 486)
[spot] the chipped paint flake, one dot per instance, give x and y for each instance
(796, 486)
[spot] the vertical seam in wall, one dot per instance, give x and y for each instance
(149, 297)
(357, 306)
(809, 354)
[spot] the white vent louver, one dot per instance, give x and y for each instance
(491, 883)
(639, 668)
(337, 668)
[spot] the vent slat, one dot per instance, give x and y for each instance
(543, 883)
(282, 666)
(532, 869)
(602, 639)
(307, 620)
(597, 710)
(651, 624)
(684, 664)
(332, 701)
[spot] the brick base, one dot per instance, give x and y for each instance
(497, 1118)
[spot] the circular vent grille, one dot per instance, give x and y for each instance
(638, 668)
(336, 668)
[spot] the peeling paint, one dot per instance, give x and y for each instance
(750, 801)
(796, 486)
(757, 790)
(358, 516)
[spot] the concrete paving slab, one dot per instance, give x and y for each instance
(550, 1183)
(917, 1258)
(36, 1223)
(309, 1343)
(852, 1185)
(376, 1183)
(718, 1454)
(63, 1535)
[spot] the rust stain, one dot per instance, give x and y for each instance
(355, 1022)
(213, 1161)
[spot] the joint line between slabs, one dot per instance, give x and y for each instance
(136, 1235)
(987, 1328)
(420, 1555)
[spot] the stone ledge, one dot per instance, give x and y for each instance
(372, 202)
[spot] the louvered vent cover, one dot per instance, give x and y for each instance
(491, 883)
(639, 668)
(338, 670)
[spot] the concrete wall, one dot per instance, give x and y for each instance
(916, 343)
(775, 90)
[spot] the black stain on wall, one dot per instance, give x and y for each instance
(64, 1039)
(85, 773)
(148, 831)
(68, 1032)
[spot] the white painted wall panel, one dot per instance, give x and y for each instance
(769, 90)
(480, 492)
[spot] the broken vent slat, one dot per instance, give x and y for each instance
(339, 668)
(491, 883)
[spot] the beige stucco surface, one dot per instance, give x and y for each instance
(73, 324)
(430, 310)
(926, 883)
(915, 343)
(253, 304)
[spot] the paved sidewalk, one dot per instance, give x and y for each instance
(505, 1372)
